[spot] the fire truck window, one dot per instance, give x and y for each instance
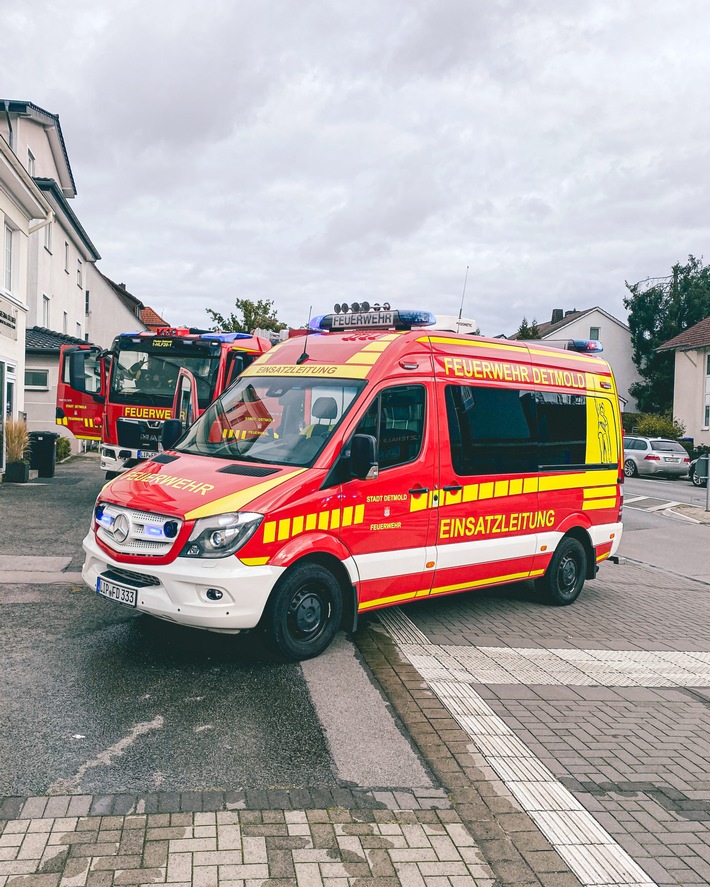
(396, 420)
(561, 429)
(491, 430)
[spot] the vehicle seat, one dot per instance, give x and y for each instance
(326, 409)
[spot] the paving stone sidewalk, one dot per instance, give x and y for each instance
(333, 847)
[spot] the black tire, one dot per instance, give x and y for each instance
(564, 579)
(697, 481)
(304, 612)
(630, 469)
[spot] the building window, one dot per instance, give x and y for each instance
(38, 379)
(595, 332)
(87, 303)
(45, 312)
(66, 256)
(79, 280)
(7, 276)
(65, 323)
(48, 237)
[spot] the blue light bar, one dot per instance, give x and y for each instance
(375, 320)
(225, 337)
(585, 346)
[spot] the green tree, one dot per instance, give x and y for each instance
(254, 315)
(659, 309)
(528, 331)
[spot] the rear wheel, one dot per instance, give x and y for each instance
(304, 612)
(564, 578)
(697, 481)
(630, 469)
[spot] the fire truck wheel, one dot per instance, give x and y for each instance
(564, 578)
(304, 612)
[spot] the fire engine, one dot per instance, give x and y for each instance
(122, 396)
(370, 463)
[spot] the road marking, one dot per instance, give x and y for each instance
(635, 499)
(105, 758)
(663, 506)
(587, 848)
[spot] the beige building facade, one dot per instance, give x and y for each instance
(691, 381)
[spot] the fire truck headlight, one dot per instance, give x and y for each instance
(221, 535)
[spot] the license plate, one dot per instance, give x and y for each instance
(124, 594)
(671, 459)
(147, 454)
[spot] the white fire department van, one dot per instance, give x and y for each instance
(369, 464)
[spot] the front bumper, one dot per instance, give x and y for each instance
(181, 593)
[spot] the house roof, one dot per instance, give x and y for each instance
(40, 340)
(133, 303)
(547, 328)
(54, 192)
(152, 318)
(54, 134)
(697, 336)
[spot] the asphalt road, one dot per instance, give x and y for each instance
(100, 699)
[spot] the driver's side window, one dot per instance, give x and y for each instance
(395, 419)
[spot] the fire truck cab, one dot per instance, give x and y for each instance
(370, 463)
(122, 396)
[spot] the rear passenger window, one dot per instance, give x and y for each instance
(395, 419)
(508, 431)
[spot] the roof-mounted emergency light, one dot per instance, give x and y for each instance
(585, 346)
(363, 316)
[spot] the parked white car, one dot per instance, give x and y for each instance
(644, 456)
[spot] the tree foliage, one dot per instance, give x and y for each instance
(254, 315)
(528, 331)
(654, 425)
(659, 309)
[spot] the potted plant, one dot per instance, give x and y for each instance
(17, 445)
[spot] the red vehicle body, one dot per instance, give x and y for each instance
(351, 470)
(122, 397)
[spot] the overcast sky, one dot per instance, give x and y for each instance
(314, 151)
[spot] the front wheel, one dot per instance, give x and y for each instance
(697, 481)
(630, 469)
(304, 612)
(564, 577)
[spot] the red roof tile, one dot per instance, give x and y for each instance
(151, 319)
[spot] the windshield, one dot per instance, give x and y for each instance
(272, 419)
(146, 374)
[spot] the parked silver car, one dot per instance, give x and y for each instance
(654, 455)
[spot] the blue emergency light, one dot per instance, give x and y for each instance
(363, 316)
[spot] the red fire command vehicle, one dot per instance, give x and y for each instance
(372, 463)
(122, 396)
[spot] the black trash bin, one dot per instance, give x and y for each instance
(43, 452)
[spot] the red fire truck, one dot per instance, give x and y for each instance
(122, 396)
(368, 464)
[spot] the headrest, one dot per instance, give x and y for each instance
(325, 408)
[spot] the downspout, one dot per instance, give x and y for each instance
(43, 224)
(9, 125)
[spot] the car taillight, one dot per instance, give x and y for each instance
(687, 459)
(652, 458)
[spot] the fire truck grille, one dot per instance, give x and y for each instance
(136, 532)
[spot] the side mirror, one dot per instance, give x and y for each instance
(363, 457)
(172, 431)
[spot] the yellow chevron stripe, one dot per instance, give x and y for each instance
(595, 504)
(237, 501)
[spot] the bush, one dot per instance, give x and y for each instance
(17, 440)
(63, 448)
(653, 425)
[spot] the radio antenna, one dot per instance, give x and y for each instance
(304, 356)
(465, 281)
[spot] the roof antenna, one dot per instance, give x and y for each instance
(458, 325)
(304, 356)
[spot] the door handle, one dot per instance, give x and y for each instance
(453, 488)
(417, 491)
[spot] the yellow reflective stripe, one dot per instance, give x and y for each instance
(599, 492)
(509, 577)
(474, 343)
(594, 504)
(362, 358)
(388, 600)
(601, 557)
(237, 501)
(287, 528)
(254, 561)
(330, 371)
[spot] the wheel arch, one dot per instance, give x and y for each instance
(582, 536)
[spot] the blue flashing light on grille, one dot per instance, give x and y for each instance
(153, 530)
(102, 517)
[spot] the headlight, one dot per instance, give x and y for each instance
(221, 535)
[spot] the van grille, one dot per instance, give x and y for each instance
(137, 532)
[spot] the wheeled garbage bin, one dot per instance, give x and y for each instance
(43, 452)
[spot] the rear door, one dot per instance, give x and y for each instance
(81, 390)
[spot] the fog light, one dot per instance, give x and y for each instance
(214, 594)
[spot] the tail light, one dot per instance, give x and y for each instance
(652, 458)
